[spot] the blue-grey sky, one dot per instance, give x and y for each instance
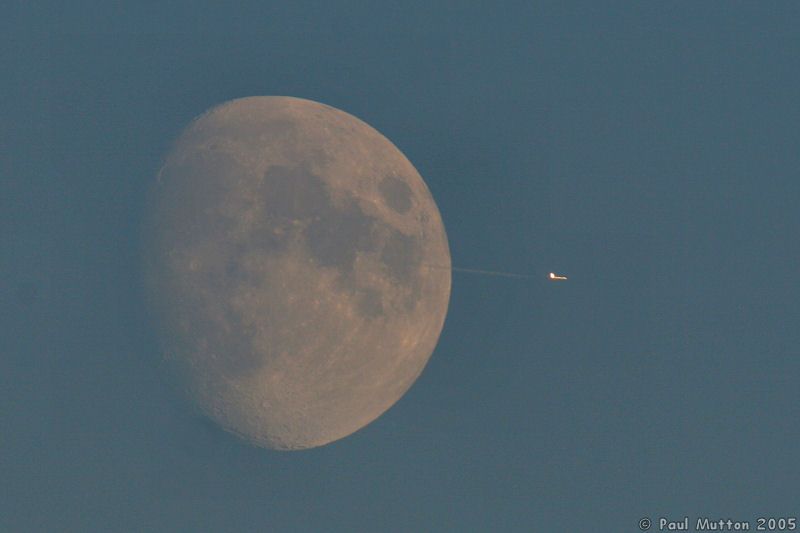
(648, 150)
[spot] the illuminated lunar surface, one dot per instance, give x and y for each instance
(288, 253)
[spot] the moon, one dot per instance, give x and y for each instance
(297, 269)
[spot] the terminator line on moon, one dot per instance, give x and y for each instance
(284, 258)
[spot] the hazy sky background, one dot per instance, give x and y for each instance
(649, 150)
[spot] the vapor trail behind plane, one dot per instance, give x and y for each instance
(484, 272)
(491, 273)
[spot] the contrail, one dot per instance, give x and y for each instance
(491, 272)
(484, 272)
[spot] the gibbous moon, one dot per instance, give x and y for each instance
(297, 268)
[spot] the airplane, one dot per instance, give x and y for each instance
(554, 277)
